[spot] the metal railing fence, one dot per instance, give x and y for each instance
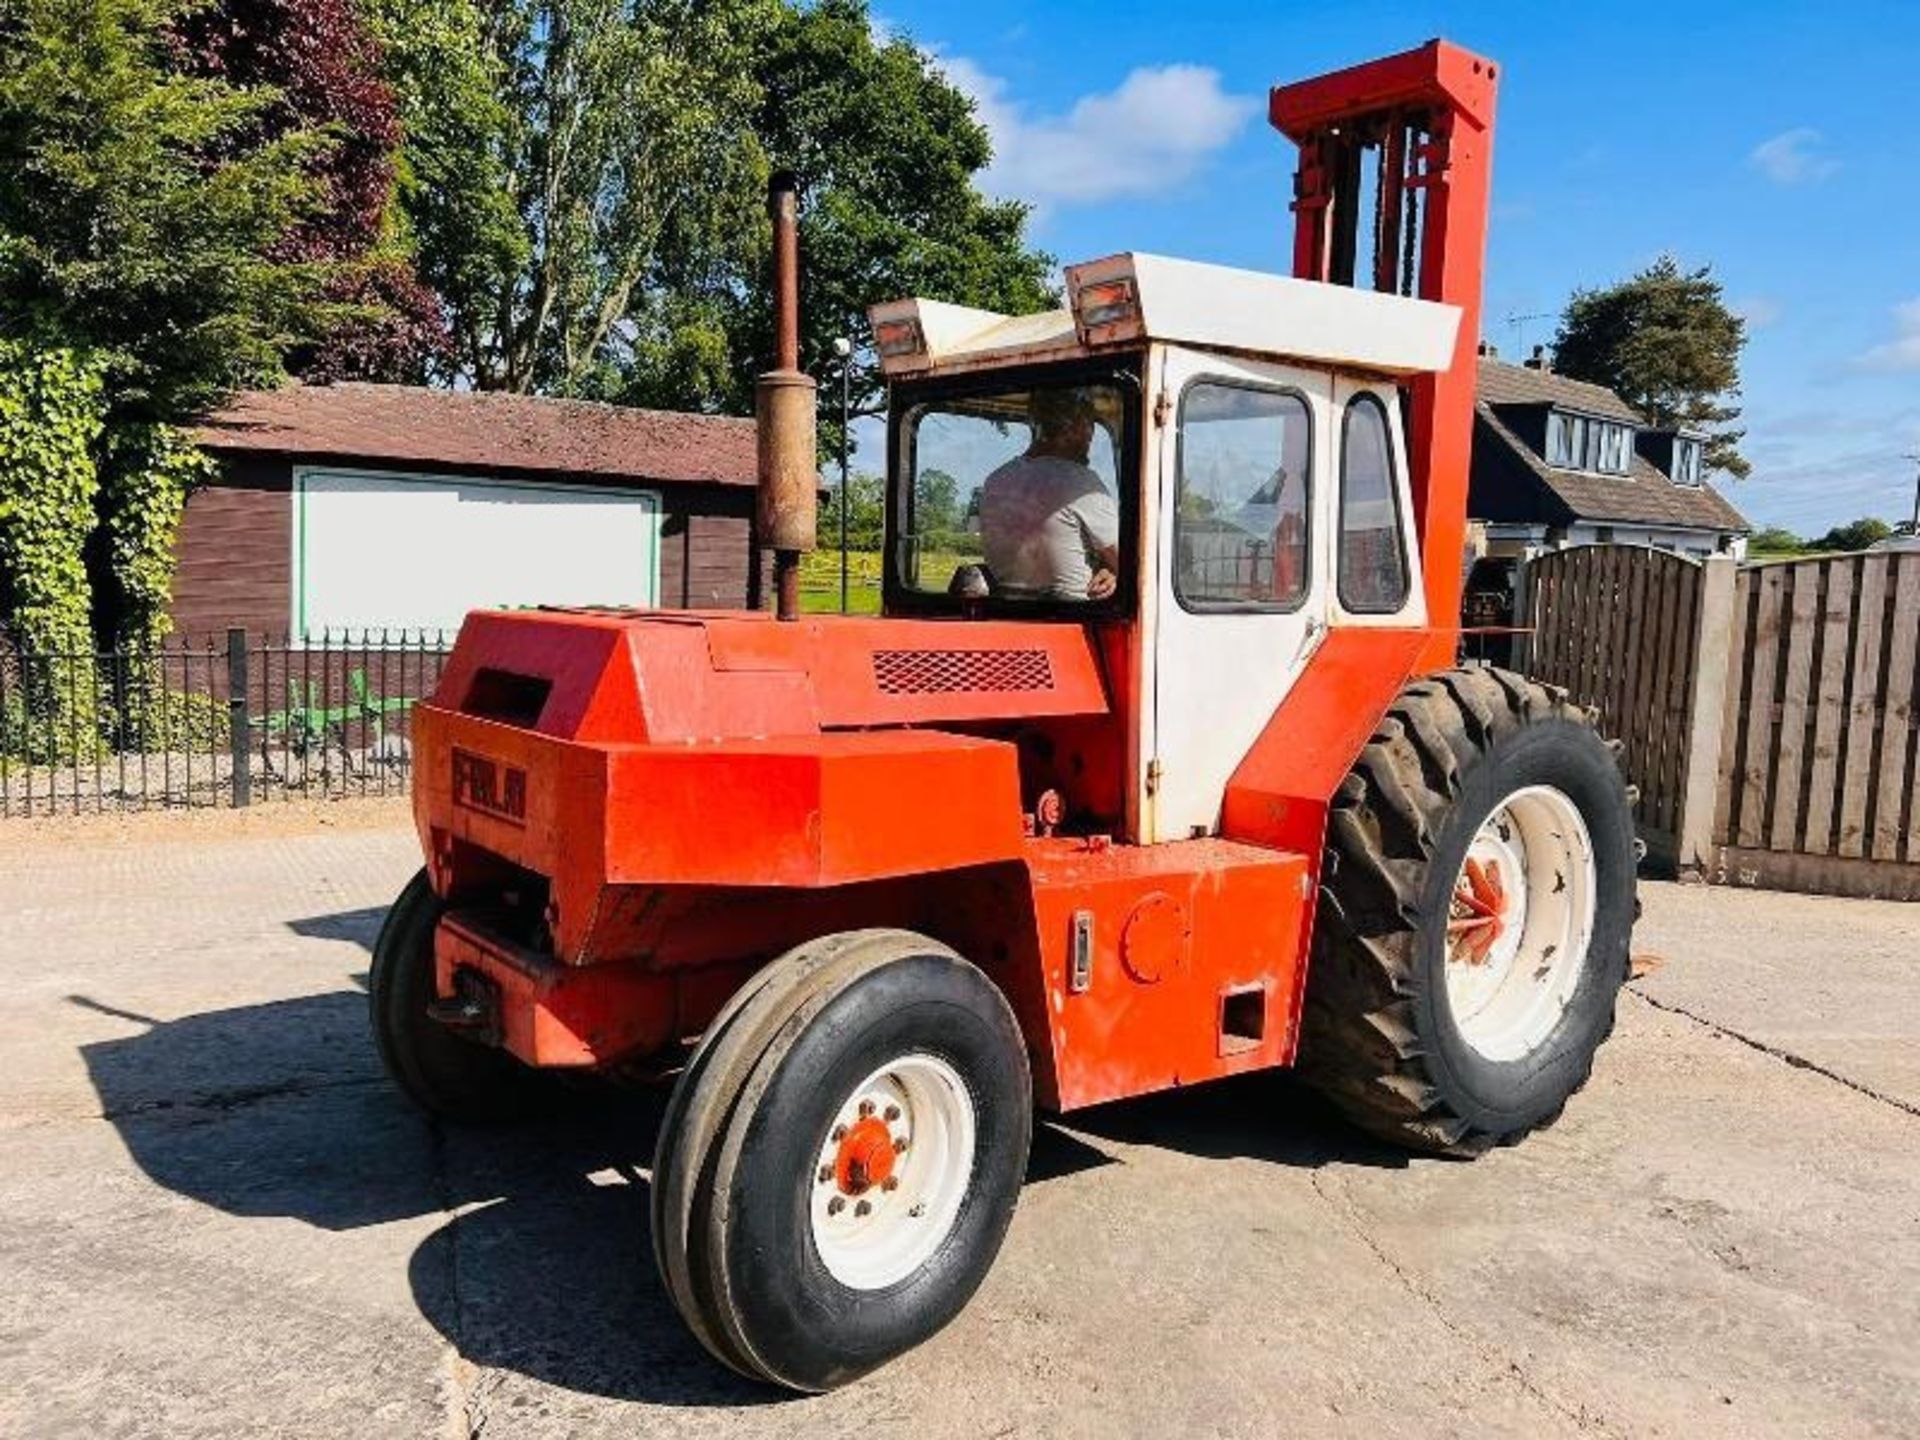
(224, 721)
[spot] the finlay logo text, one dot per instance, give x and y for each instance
(489, 787)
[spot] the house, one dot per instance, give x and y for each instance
(1559, 462)
(357, 506)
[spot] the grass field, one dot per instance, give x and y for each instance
(820, 579)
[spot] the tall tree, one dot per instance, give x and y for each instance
(143, 211)
(1667, 343)
(585, 179)
(619, 121)
(318, 61)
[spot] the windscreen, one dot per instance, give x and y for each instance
(1013, 496)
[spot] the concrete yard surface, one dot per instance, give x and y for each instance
(219, 1220)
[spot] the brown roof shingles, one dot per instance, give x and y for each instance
(408, 425)
(1646, 496)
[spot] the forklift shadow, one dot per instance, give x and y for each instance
(1270, 1116)
(541, 1263)
(361, 927)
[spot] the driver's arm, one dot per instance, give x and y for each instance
(1099, 519)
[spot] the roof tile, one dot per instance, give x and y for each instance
(1646, 496)
(411, 425)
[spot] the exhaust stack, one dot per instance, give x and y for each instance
(784, 413)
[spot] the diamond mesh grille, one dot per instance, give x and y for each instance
(949, 672)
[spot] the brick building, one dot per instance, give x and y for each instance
(351, 506)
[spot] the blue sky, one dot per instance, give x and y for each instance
(1775, 141)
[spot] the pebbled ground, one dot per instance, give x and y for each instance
(215, 1219)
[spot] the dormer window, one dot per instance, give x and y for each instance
(1580, 442)
(1688, 456)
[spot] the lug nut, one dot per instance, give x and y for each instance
(900, 1145)
(892, 1182)
(826, 1173)
(866, 1108)
(863, 1208)
(839, 1134)
(892, 1113)
(836, 1205)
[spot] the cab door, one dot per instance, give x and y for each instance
(1240, 552)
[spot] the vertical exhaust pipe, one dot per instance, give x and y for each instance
(784, 413)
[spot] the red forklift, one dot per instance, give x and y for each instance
(1157, 768)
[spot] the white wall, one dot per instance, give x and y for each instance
(378, 549)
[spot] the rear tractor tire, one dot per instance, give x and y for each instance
(1477, 902)
(841, 1158)
(443, 1073)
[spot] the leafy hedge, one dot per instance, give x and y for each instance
(50, 416)
(149, 472)
(51, 411)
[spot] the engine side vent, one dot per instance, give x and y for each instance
(509, 698)
(956, 672)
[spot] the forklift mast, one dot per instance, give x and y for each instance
(1396, 163)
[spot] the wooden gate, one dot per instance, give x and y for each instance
(1820, 781)
(1619, 627)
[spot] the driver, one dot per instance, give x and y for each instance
(1047, 522)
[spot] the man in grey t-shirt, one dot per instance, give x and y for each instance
(1047, 522)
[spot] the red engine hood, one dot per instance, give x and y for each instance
(659, 677)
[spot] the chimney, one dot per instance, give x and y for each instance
(784, 411)
(1540, 361)
(1489, 350)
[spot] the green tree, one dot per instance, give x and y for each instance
(584, 180)
(1667, 343)
(139, 213)
(936, 503)
(1856, 535)
(887, 150)
(1775, 541)
(456, 211)
(866, 513)
(150, 211)
(616, 126)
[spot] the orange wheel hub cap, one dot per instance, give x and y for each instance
(1479, 911)
(865, 1157)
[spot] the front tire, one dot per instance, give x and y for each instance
(841, 1159)
(1477, 904)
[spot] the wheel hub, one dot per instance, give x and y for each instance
(865, 1157)
(893, 1170)
(1519, 923)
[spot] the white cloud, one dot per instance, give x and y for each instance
(1903, 351)
(1758, 311)
(1793, 157)
(1149, 135)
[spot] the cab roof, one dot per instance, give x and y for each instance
(1123, 300)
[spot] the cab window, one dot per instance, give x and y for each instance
(1373, 556)
(1240, 526)
(1013, 496)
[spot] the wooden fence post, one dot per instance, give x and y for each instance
(1522, 657)
(1713, 667)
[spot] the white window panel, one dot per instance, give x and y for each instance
(374, 551)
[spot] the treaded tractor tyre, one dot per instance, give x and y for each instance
(442, 1073)
(841, 1158)
(1476, 905)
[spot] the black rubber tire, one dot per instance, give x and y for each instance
(448, 1077)
(742, 1136)
(1378, 1037)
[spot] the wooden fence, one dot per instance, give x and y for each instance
(1819, 786)
(1771, 714)
(1595, 612)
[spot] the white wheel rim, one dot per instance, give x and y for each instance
(877, 1219)
(1520, 925)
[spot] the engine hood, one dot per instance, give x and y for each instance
(664, 677)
